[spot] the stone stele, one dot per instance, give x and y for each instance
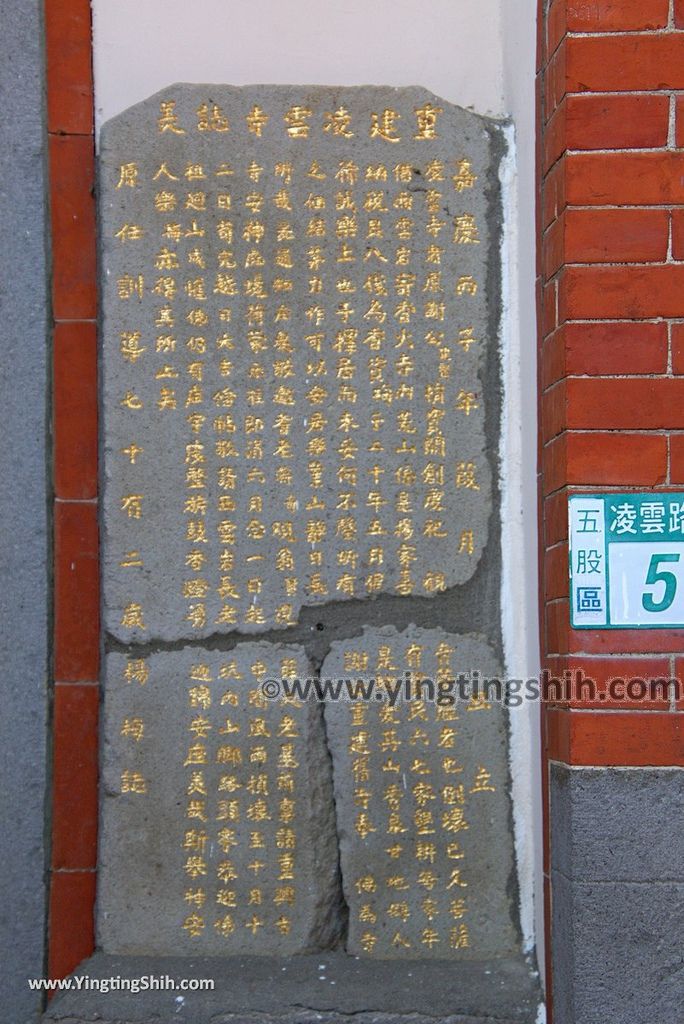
(299, 292)
(422, 797)
(218, 832)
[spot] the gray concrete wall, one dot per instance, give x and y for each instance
(617, 862)
(24, 541)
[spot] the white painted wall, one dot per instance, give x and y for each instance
(449, 46)
(477, 53)
(520, 582)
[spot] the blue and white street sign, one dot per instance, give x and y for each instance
(626, 561)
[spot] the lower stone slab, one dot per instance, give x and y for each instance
(218, 833)
(301, 989)
(423, 808)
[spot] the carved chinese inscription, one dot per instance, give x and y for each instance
(295, 314)
(300, 408)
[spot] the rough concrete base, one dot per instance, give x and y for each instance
(327, 988)
(617, 875)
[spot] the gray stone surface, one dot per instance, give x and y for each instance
(610, 824)
(300, 330)
(617, 951)
(329, 987)
(422, 800)
(300, 351)
(24, 599)
(618, 883)
(217, 833)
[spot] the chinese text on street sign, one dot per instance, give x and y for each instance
(626, 560)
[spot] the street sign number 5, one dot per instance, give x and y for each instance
(657, 575)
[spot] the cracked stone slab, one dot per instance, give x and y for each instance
(422, 797)
(300, 293)
(217, 834)
(328, 987)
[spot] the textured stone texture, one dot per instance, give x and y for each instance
(422, 802)
(368, 342)
(251, 508)
(217, 832)
(618, 823)
(24, 597)
(329, 987)
(618, 883)
(617, 951)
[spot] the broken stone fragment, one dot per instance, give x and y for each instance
(422, 800)
(218, 828)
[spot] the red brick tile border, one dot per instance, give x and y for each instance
(74, 405)
(610, 298)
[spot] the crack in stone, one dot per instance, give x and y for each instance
(463, 607)
(342, 905)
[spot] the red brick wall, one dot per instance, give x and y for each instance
(74, 408)
(611, 347)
